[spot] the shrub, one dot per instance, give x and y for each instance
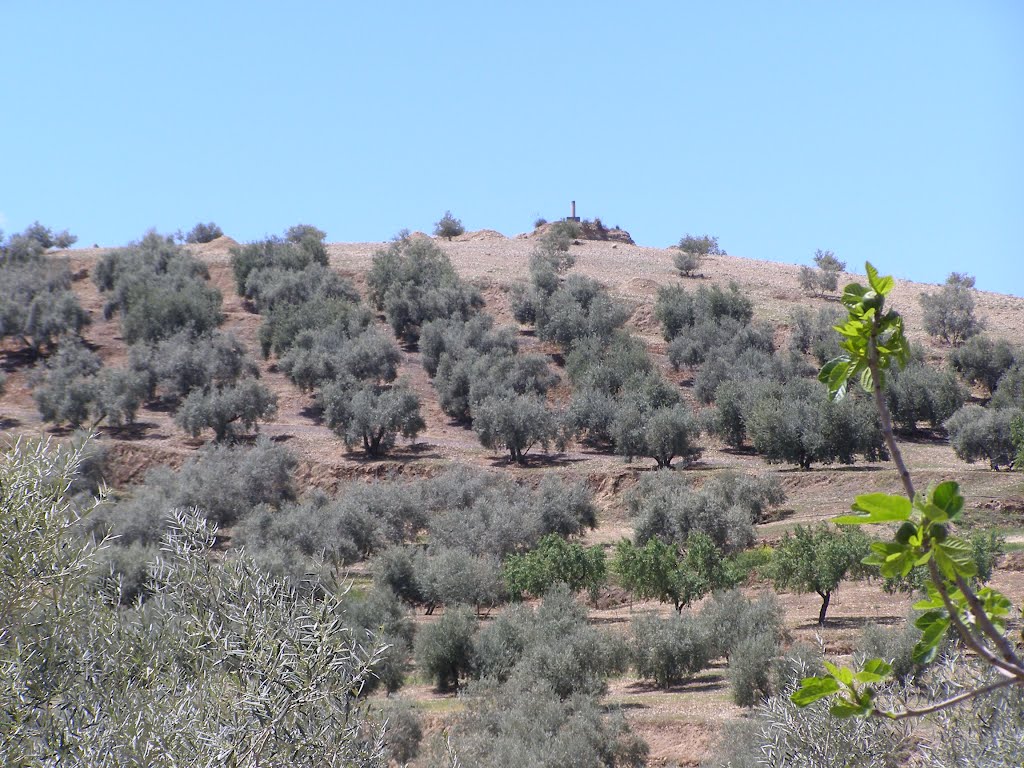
(949, 313)
(555, 561)
(825, 278)
(204, 233)
(982, 433)
(539, 222)
(750, 666)
(223, 409)
(983, 361)
(444, 648)
(702, 245)
(371, 415)
(729, 618)
(448, 226)
(668, 651)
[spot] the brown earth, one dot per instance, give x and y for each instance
(681, 724)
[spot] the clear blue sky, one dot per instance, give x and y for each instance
(884, 131)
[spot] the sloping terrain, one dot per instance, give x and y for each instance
(680, 724)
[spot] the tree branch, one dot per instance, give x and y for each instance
(944, 704)
(986, 625)
(883, 412)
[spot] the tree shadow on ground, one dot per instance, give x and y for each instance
(855, 622)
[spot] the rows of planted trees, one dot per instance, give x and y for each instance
(253, 654)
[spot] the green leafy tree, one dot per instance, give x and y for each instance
(873, 343)
(554, 561)
(817, 560)
(656, 570)
(448, 226)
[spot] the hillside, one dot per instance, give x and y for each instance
(682, 723)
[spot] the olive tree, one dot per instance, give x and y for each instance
(412, 282)
(274, 663)
(824, 277)
(949, 313)
(982, 433)
(223, 409)
(37, 305)
(517, 423)
(371, 415)
(981, 360)
(204, 233)
(448, 226)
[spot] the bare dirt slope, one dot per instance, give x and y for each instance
(681, 724)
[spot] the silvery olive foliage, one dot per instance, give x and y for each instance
(220, 665)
